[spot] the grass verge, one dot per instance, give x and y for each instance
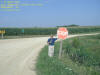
(80, 57)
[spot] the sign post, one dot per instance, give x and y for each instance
(62, 34)
(2, 35)
(2, 32)
(60, 51)
(23, 32)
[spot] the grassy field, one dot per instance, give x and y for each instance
(80, 56)
(48, 31)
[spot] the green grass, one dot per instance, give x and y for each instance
(48, 31)
(81, 56)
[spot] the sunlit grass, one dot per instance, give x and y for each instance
(81, 56)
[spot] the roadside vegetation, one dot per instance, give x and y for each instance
(48, 31)
(80, 56)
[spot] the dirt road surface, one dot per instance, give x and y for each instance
(18, 56)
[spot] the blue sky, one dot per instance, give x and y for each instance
(52, 13)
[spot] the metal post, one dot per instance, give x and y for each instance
(60, 51)
(2, 36)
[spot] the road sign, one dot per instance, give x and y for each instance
(22, 30)
(2, 31)
(62, 33)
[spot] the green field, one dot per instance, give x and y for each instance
(48, 31)
(81, 56)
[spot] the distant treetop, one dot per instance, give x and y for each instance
(72, 25)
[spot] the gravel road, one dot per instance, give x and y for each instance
(18, 56)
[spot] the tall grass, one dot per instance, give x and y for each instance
(81, 56)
